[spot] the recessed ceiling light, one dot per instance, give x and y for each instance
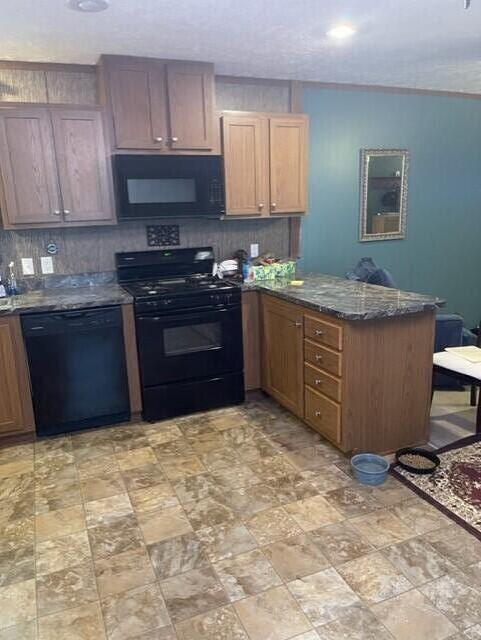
(341, 31)
(89, 6)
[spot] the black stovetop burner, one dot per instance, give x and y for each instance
(175, 286)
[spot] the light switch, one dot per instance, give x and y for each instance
(254, 250)
(46, 263)
(27, 267)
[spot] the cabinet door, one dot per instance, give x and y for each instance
(251, 339)
(83, 166)
(28, 168)
(246, 157)
(288, 163)
(16, 413)
(283, 369)
(137, 95)
(190, 89)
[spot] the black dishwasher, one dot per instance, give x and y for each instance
(77, 368)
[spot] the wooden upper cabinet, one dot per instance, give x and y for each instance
(288, 164)
(282, 357)
(157, 105)
(30, 193)
(265, 160)
(82, 164)
(137, 97)
(190, 90)
(16, 412)
(245, 141)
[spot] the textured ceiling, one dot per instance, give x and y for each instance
(432, 44)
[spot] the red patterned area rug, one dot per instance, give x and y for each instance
(455, 487)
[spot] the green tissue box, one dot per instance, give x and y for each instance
(285, 270)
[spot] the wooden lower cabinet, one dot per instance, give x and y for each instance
(251, 340)
(16, 412)
(282, 368)
(365, 385)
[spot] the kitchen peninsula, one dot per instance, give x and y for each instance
(353, 360)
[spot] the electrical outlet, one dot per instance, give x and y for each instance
(254, 250)
(46, 263)
(27, 267)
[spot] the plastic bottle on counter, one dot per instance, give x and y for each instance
(11, 281)
(3, 291)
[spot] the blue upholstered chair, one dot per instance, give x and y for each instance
(450, 329)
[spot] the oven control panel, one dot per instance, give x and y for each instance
(201, 300)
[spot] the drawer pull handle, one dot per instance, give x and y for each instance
(319, 332)
(317, 414)
(317, 381)
(298, 324)
(318, 357)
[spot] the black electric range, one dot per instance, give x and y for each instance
(189, 331)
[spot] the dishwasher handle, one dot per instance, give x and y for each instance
(70, 321)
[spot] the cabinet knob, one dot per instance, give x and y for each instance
(174, 139)
(158, 139)
(318, 332)
(66, 211)
(273, 205)
(317, 414)
(318, 381)
(261, 205)
(57, 212)
(298, 324)
(318, 357)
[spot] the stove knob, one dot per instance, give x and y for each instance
(167, 301)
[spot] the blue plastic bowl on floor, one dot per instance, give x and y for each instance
(369, 468)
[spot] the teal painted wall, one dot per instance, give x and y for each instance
(442, 252)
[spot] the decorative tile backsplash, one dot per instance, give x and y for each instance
(92, 249)
(163, 235)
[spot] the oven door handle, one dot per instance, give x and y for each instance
(192, 316)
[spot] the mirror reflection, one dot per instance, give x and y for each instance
(383, 194)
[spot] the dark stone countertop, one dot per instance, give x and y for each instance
(347, 299)
(65, 298)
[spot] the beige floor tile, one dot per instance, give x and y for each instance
(159, 496)
(220, 624)
(374, 578)
(177, 555)
(80, 623)
(392, 492)
(456, 545)
(132, 613)
(207, 442)
(100, 466)
(59, 523)
(17, 497)
(114, 535)
(163, 524)
(82, 454)
(411, 615)
(169, 451)
(24, 631)
(312, 513)
(295, 557)
(100, 511)
(162, 432)
(16, 534)
(192, 593)
(182, 467)
(328, 478)
(66, 589)
(272, 615)
(453, 596)
(208, 512)
(272, 525)
(123, 572)
(340, 542)
(103, 486)
(143, 477)
(227, 540)
(10, 453)
(198, 487)
(247, 501)
(57, 494)
(60, 553)
(259, 448)
(382, 528)
(16, 467)
(220, 458)
(136, 458)
(291, 488)
(55, 466)
(359, 624)
(273, 468)
(324, 596)
(246, 574)
(234, 477)
(351, 501)
(420, 516)
(418, 560)
(17, 565)
(17, 603)
(313, 457)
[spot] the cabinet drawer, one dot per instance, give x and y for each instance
(323, 415)
(323, 382)
(324, 332)
(323, 357)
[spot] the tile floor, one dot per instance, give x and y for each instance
(240, 524)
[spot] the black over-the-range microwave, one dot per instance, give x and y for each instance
(149, 186)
